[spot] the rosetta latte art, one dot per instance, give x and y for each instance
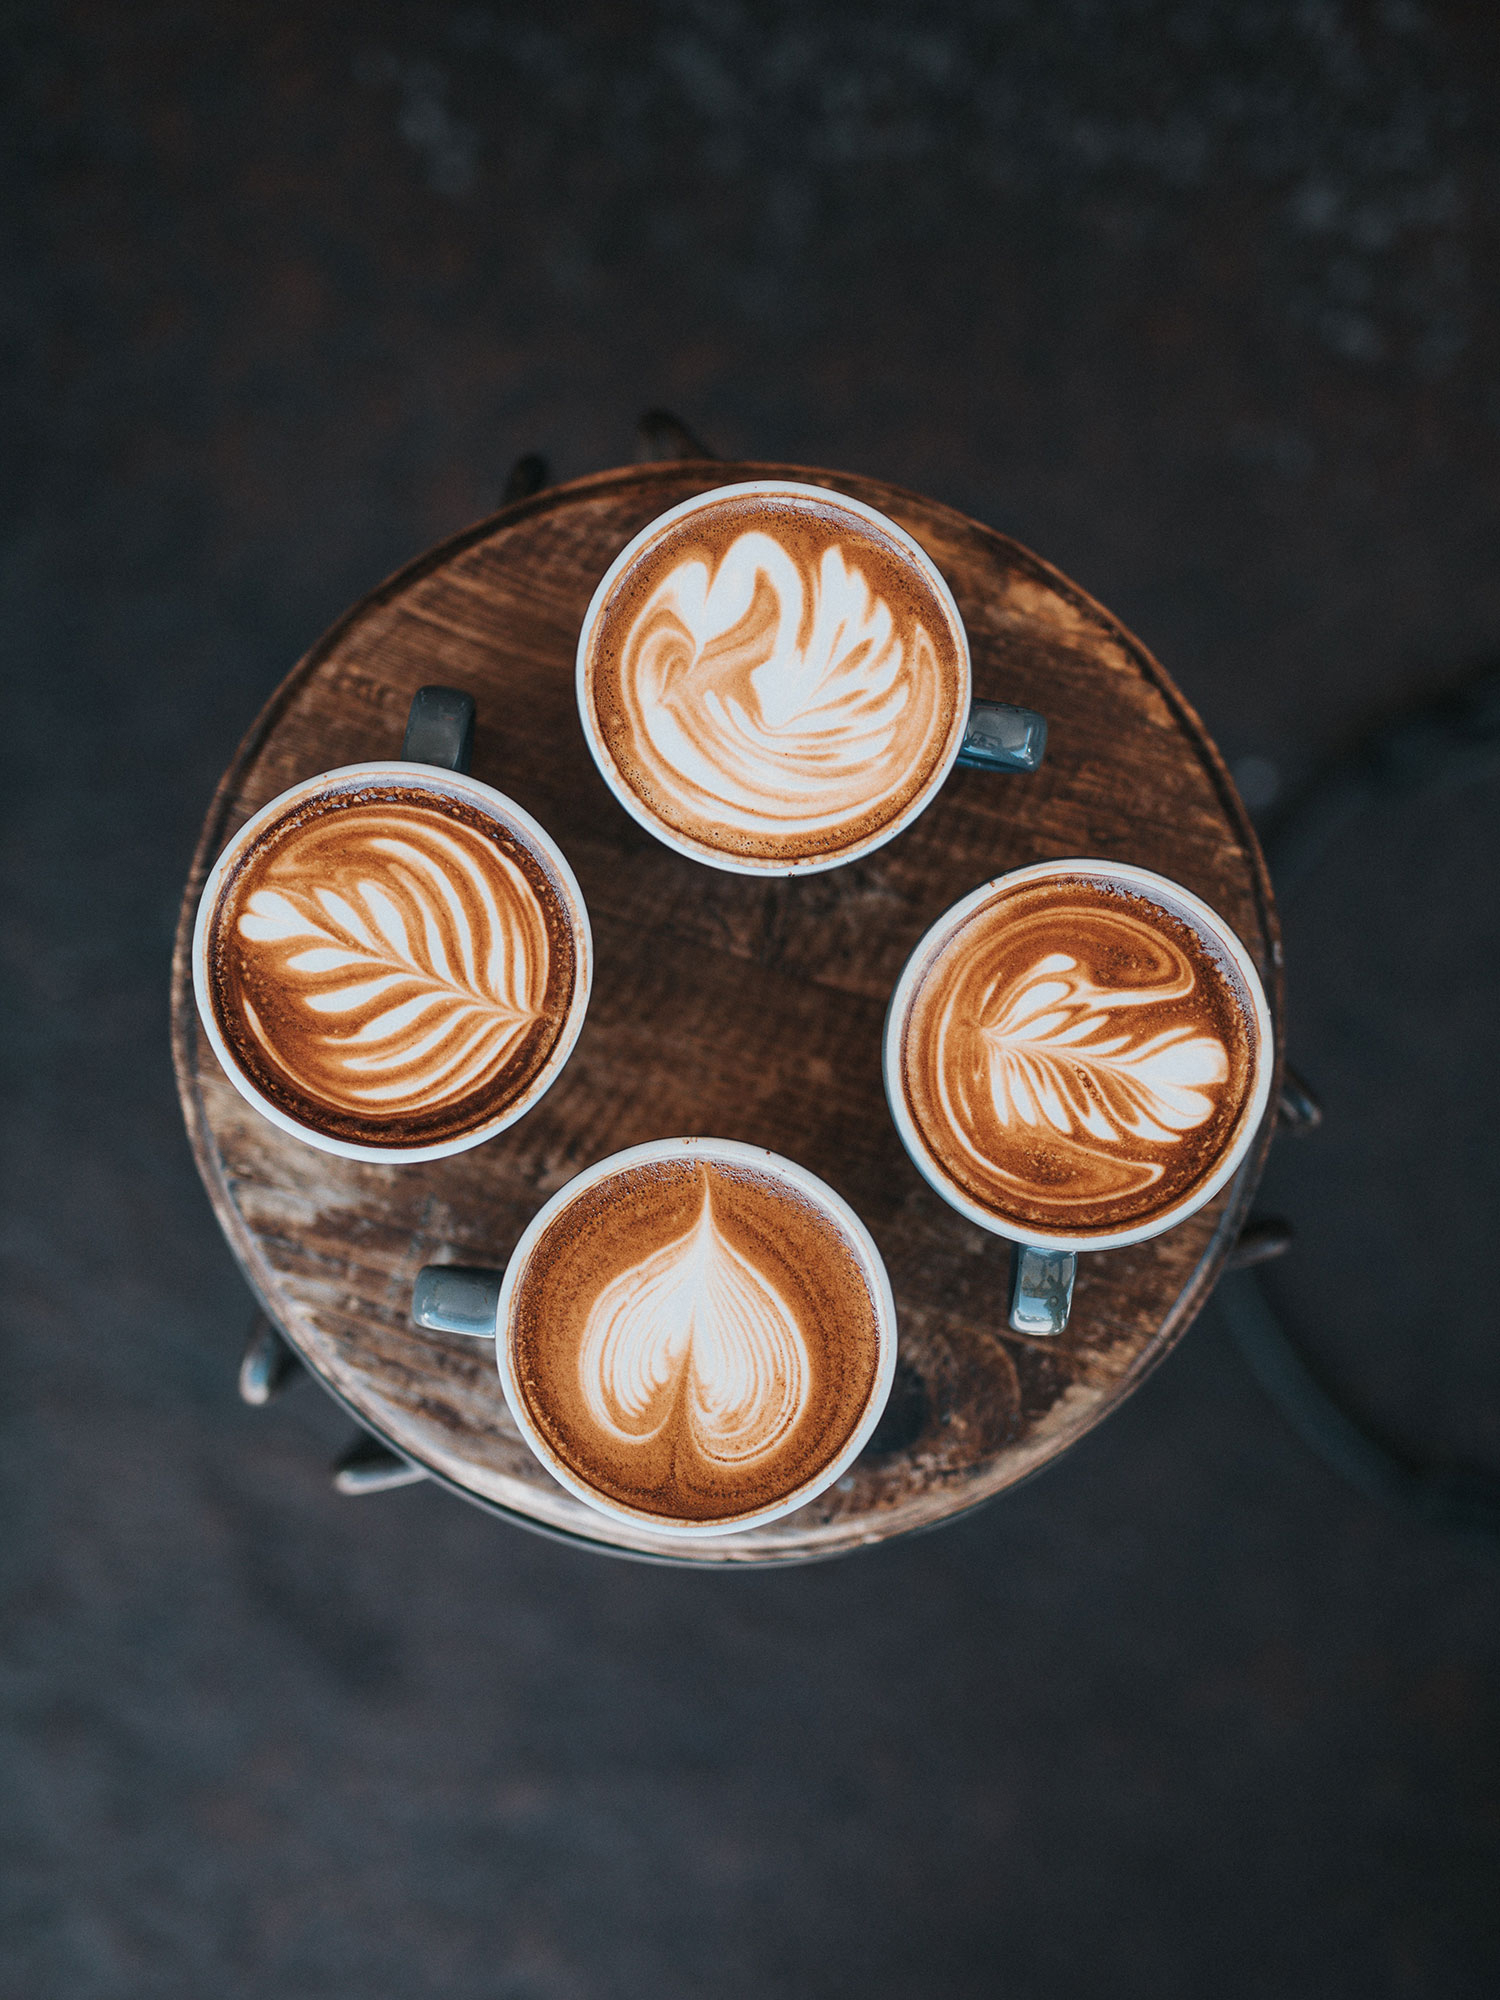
(695, 1336)
(1074, 1066)
(775, 696)
(1058, 1058)
(390, 960)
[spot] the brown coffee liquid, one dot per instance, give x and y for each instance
(694, 1340)
(1077, 1058)
(776, 679)
(390, 965)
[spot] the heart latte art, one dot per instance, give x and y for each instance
(392, 966)
(697, 1335)
(1076, 1057)
(694, 1340)
(775, 681)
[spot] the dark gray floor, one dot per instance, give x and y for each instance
(1199, 300)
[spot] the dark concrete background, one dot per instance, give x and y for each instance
(1201, 301)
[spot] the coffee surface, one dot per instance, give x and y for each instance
(1076, 1057)
(776, 678)
(391, 965)
(694, 1340)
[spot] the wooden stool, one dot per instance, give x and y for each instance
(723, 1005)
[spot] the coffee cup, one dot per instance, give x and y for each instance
(391, 960)
(1077, 1056)
(694, 1336)
(773, 678)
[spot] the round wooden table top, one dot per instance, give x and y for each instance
(726, 1006)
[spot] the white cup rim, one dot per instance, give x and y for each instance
(732, 1152)
(498, 806)
(1157, 888)
(741, 864)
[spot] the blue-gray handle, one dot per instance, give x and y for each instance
(457, 1298)
(1002, 738)
(1041, 1290)
(465, 1298)
(440, 729)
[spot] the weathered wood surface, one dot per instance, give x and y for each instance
(725, 1006)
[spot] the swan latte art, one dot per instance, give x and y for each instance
(1076, 1058)
(693, 1339)
(774, 677)
(392, 965)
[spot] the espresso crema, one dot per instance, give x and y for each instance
(391, 965)
(1076, 1057)
(775, 678)
(693, 1340)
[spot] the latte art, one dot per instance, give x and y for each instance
(781, 702)
(774, 680)
(442, 974)
(392, 965)
(1061, 1057)
(693, 1340)
(1076, 1057)
(696, 1335)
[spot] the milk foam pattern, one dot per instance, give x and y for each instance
(416, 965)
(775, 697)
(695, 1340)
(1054, 1061)
(1046, 1085)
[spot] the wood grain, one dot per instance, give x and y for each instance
(725, 1006)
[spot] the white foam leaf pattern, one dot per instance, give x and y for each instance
(1059, 1057)
(409, 1019)
(695, 1334)
(784, 694)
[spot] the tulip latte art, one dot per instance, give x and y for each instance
(774, 678)
(391, 965)
(694, 1340)
(1076, 1057)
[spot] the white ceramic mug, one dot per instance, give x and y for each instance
(434, 757)
(988, 735)
(1045, 1262)
(478, 1302)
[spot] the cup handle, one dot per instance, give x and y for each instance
(440, 729)
(457, 1298)
(1002, 738)
(1041, 1290)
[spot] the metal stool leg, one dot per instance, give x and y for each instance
(661, 435)
(368, 1466)
(1261, 1239)
(528, 475)
(1297, 1108)
(267, 1366)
